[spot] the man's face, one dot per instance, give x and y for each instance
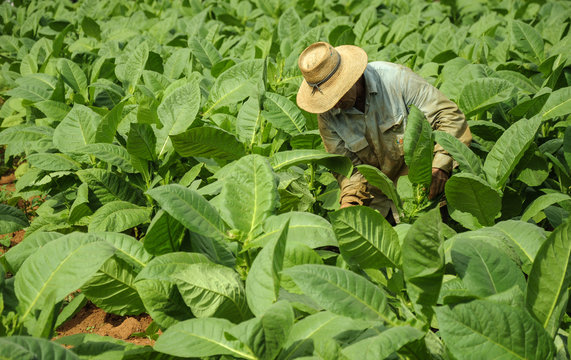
(348, 100)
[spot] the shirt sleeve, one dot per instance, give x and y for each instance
(353, 189)
(442, 114)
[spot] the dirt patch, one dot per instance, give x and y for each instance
(8, 179)
(93, 320)
(15, 239)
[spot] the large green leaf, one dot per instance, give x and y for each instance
(249, 120)
(212, 290)
(235, 84)
(73, 76)
(527, 41)
(484, 330)
(91, 27)
(542, 203)
(306, 228)
(158, 291)
(217, 250)
(12, 219)
(77, 129)
(367, 20)
(208, 142)
(338, 163)
(176, 63)
(25, 134)
(20, 347)
(484, 270)
(377, 178)
(80, 207)
(59, 267)
(472, 194)
(128, 248)
(201, 338)
(265, 335)
(118, 216)
(249, 195)
(418, 147)
(16, 256)
(34, 87)
(112, 154)
(524, 238)
(382, 345)
(112, 288)
(176, 113)
(263, 281)
(164, 235)
(290, 26)
(323, 324)
(481, 94)
(523, 83)
(142, 141)
(440, 46)
(423, 260)
(108, 126)
(297, 253)
(366, 238)
(467, 160)
(131, 70)
(547, 290)
(558, 104)
(204, 51)
(108, 186)
(508, 150)
(342, 292)
(53, 162)
(283, 114)
(190, 209)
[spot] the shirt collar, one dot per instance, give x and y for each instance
(370, 80)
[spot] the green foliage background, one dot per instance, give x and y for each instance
(180, 179)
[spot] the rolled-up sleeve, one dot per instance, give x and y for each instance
(442, 114)
(353, 189)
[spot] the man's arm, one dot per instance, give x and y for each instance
(442, 114)
(353, 189)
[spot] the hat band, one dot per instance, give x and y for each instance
(315, 86)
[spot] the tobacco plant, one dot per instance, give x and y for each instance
(181, 180)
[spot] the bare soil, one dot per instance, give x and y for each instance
(93, 320)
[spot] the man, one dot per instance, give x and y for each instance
(363, 110)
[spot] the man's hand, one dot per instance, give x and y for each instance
(439, 178)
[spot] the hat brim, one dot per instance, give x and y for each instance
(353, 63)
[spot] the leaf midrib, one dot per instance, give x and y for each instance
(41, 290)
(388, 321)
(365, 238)
(247, 356)
(489, 339)
(199, 213)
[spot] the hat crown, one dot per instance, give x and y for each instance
(318, 61)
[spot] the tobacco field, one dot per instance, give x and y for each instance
(174, 175)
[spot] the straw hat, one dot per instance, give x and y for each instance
(328, 74)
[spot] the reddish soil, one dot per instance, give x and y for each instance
(93, 320)
(15, 238)
(8, 179)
